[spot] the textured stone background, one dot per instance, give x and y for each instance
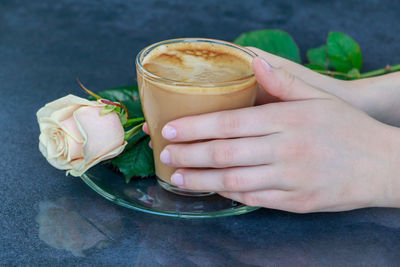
(44, 216)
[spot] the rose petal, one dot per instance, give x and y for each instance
(64, 107)
(55, 162)
(64, 113)
(102, 133)
(74, 138)
(88, 165)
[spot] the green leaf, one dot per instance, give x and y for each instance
(353, 74)
(314, 67)
(137, 161)
(123, 117)
(277, 42)
(134, 131)
(108, 109)
(343, 52)
(128, 95)
(132, 122)
(318, 57)
(135, 139)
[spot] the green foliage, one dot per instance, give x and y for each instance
(129, 95)
(133, 131)
(344, 53)
(108, 109)
(340, 57)
(353, 73)
(276, 42)
(137, 160)
(318, 58)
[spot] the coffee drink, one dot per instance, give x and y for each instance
(184, 77)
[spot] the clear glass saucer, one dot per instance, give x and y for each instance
(148, 196)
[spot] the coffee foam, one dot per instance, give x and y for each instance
(198, 62)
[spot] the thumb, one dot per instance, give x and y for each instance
(282, 84)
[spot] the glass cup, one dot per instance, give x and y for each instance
(164, 100)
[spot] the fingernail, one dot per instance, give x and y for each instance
(266, 65)
(165, 157)
(168, 132)
(177, 179)
(150, 145)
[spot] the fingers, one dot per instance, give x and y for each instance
(282, 84)
(145, 128)
(315, 79)
(273, 199)
(239, 179)
(290, 66)
(249, 151)
(225, 124)
(246, 122)
(277, 199)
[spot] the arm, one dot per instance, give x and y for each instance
(379, 97)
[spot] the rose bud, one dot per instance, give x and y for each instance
(74, 136)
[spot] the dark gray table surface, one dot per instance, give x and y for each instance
(44, 215)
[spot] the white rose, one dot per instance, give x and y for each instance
(74, 136)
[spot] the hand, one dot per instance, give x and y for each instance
(377, 96)
(340, 88)
(312, 152)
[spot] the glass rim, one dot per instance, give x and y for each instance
(145, 51)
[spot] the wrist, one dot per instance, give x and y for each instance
(359, 94)
(391, 174)
(356, 93)
(378, 97)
